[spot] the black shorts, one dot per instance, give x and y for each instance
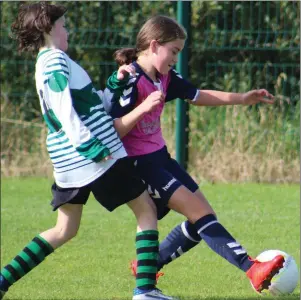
(118, 185)
(163, 176)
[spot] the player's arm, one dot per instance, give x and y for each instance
(126, 123)
(120, 97)
(60, 112)
(218, 98)
(180, 88)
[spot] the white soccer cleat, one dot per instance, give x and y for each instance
(154, 294)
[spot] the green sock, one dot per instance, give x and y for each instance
(33, 254)
(147, 247)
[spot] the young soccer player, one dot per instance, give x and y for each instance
(137, 108)
(85, 150)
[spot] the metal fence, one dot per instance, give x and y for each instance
(235, 45)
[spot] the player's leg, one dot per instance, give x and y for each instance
(184, 236)
(42, 245)
(201, 216)
(179, 241)
(154, 169)
(195, 207)
(163, 176)
(219, 239)
(121, 184)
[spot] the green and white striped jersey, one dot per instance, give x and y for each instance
(80, 132)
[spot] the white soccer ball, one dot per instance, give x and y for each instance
(286, 280)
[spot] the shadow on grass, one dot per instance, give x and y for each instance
(256, 297)
(181, 297)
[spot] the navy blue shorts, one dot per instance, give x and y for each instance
(163, 175)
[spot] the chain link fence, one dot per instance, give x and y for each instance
(235, 46)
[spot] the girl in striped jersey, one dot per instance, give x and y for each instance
(85, 150)
(137, 108)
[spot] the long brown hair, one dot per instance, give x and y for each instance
(32, 21)
(160, 28)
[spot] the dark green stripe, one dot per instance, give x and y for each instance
(121, 145)
(147, 232)
(145, 283)
(147, 269)
(32, 256)
(73, 168)
(147, 287)
(56, 64)
(43, 246)
(51, 120)
(26, 258)
(60, 149)
(147, 262)
(151, 276)
(42, 52)
(68, 165)
(146, 243)
(148, 249)
(55, 136)
(22, 263)
(66, 140)
(17, 267)
(150, 237)
(13, 272)
(95, 120)
(62, 155)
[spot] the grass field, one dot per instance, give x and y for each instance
(94, 265)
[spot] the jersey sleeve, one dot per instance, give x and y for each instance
(59, 112)
(180, 88)
(120, 96)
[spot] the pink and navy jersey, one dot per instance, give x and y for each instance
(146, 137)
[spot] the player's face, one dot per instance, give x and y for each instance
(59, 34)
(166, 55)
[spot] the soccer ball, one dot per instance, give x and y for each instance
(286, 280)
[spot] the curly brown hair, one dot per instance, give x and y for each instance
(32, 21)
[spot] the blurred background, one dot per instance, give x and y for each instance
(233, 46)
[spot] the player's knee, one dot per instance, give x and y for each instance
(195, 214)
(148, 212)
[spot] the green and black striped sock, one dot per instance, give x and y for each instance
(32, 255)
(147, 247)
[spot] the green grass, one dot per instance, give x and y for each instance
(94, 265)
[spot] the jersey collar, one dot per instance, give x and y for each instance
(140, 71)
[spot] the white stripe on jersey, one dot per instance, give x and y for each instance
(65, 157)
(77, 127)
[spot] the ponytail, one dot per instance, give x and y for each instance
(125, 56)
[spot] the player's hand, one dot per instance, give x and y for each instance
(107, 158)
(257, 96)
(124, 70)
(152, 101)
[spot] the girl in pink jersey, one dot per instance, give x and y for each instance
(137, 107)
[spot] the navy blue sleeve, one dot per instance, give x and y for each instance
(180, 88)
(120, 99)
